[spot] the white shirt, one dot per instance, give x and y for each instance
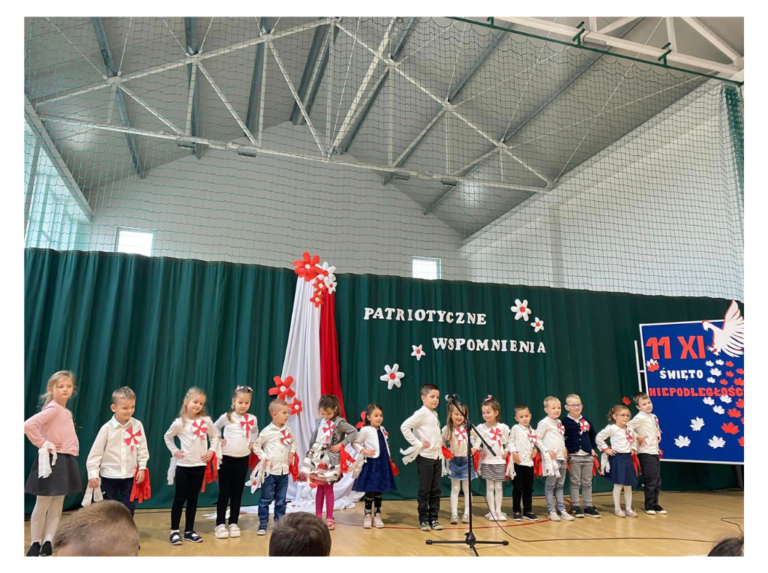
(276, 445)
(367, 438)
(523, 441)
(118, 450)
(550, 437)
(239, 433)
(622, 440)
(497, 437)
(647, 425)
(194, 436)
(424, 426)
(457, 440)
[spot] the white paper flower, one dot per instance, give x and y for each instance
(326, 270)
(718, 410)
(332, 288)
(725, 399)
(709, 401)
(709, 363)
(716, 442)
(417, 352)
(715, 372)
(719, 362)
(697, 424)
(538, 325)
(392, 376)
(711, 380)
(521, 309)
(682, 442)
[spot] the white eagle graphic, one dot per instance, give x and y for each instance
(730, 338)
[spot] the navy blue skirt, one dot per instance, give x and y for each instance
(622, 471)
(376, 474)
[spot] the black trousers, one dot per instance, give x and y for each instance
(119, 490)
(232, 476)
(430, 473)
(188, 483)
(651, 466)
(522, 488)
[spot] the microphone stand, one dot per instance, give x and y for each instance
(469, 537)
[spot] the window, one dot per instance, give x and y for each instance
(425, 268)
(135, 242)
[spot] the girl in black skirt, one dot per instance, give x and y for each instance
(623, 447)
(54, 472)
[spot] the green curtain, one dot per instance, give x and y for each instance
(163, 325)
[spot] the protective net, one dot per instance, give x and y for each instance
(383, 145)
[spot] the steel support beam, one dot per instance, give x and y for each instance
(193, 110)
(109, 64)
(713, 39)
(319, 41)
(257, 79)
(325, 57)
(616, 25)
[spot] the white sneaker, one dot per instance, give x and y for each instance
(454, 518)
(221, 532)
(553, 516)
(565, 516)
(465, 518)
(490, 516)
(501, 516)
(234, 530)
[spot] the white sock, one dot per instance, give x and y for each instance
(454, 496)
(489, 491)
(467, 493)
(53, 517)
(499, 495)
(628, 497)
(37, 519)
(617, 496)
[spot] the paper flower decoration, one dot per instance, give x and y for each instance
(282, 388)
(719, 362)
(538, 325)
(626, 401)
(725, 399)
(716, 442)
(326, 273)
(709, 401)
(417, 352)
(521, 310)
(332, 288)
(682, 442)
(718, 410)
(730, 428)
(711, 380)
(697, 424)
(715, 372)
(709, 363)
(200, 428)
(306, 267)
(652, 366)
(295, 407)
(319, 285)
(317, 298)
(392, 376)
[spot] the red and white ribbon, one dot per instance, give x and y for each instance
(247, 424)
(461, 435)
(200, 428)
(285, 437)
(532, 436)
(132, 438)
(496, 436)
(560, 428)
(583, 425)
(328, 430)
(629, 435)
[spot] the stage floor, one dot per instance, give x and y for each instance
(692, 526)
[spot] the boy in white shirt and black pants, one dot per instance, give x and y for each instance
(120, 449)
(646, 428)
(422, 431)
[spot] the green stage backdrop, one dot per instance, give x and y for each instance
(163, 325)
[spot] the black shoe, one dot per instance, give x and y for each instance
(436, 525)
(424, 526)
(591, 511)
(530, 516)
(175, 538)
(34, 550)
(659, 509)
(577, 512)
(46, 550)
(192, 536)
(517, 516)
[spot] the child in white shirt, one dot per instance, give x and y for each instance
(550, 440)
(194, 429)
(240, 431)
(119, 454)
(522, 446)
(493, 465)
(648, 433)
(461, 465)
(621, 471)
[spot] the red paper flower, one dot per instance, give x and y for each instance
(317, 298)
(729, 364)
(282, 388)
(133, 438)
(740, 403)
(306, 267)
(730, 428)
(734, 413)
(729, 374)
(741, 441)
(361, 423)
(723, 381)
(319, 285)
(740, 371)
(626, 401)
(739, 381)
(200, 428)
(296, 408)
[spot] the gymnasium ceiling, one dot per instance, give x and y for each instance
(544, 101)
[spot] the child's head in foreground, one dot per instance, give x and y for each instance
(103, 529)
(300, 534)
(430, 396)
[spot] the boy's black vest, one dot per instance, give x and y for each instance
(574, 440)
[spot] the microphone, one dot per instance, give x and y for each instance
(450, 397)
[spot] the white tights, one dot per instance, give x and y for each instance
(617, 496)
(494, 495)
(455, 485)
(45, 517)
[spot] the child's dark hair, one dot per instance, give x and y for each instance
(494, 405)
(521, 407)
(427, 388)
(329, 402)
(239, 390)
(300, 534)
(370, 410)
(615, 411)
(730, 547)
(637, 396)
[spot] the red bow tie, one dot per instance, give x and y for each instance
(200, 428)
(133, 438)
(461, 435)
(532, 437)
(285, 437)
(583, 425)
(247, 424)
(560, 428)
(496, 435)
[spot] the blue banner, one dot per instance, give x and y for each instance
(694, 374)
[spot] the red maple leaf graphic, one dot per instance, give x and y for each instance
(742, 420)
(741, 441)
(730, 428)
(739, 371)
(653, 367)
(729, 364)
(723, 381)
(740, 403)
(626, 400)
(739, 381)
(729, 374)
(734, 413)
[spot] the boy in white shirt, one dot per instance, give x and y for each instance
(422, 431)
(119, 454)
(276, 448)
(646, 428)
(549, 439)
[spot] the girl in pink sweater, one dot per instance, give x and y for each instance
(54, 473)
